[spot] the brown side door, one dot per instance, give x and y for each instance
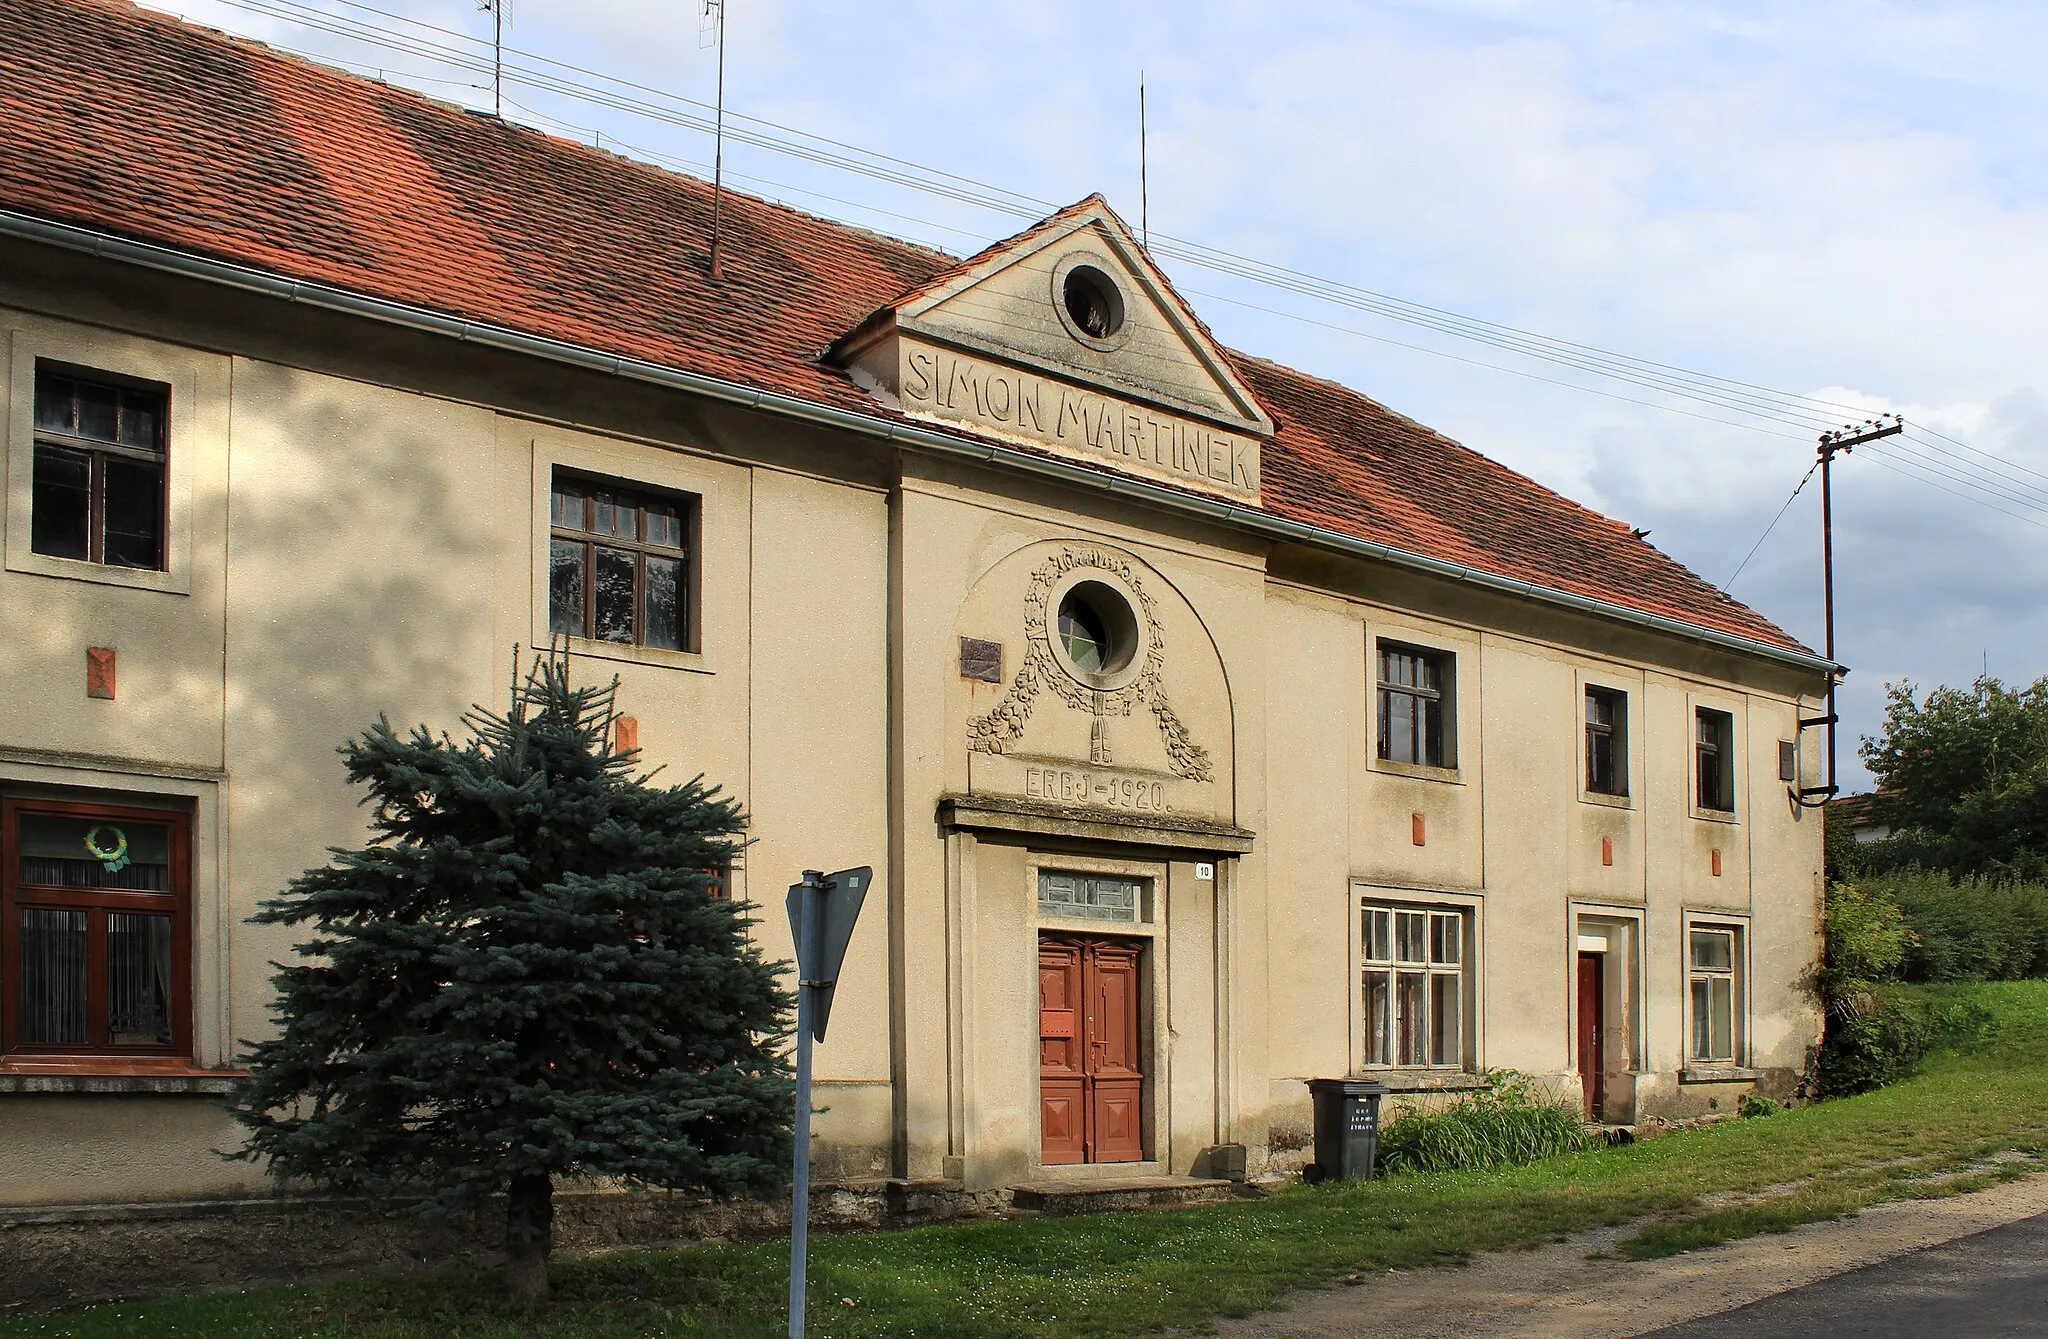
(1592, 1034)
(1091, 1079)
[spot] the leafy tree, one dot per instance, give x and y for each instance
(1963, 774)
(523, 976)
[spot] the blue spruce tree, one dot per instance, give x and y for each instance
(524, 975)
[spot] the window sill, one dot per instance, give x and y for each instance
(1422, 1080)
(692, 661)
(1719, 1074)
(96, 1075)
(1605, 800)
(1419, 771)
(1715, 815)
(72, 569)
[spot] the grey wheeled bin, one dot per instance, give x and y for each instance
(1347, 1129)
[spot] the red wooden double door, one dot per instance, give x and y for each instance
(1091, 1072)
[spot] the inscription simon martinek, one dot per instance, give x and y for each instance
(1067, 417)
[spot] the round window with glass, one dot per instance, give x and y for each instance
(1097, 632)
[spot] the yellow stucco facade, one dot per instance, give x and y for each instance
(358, 524)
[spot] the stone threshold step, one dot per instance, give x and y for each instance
(1100, 1196)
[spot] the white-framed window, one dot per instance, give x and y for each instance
(1412, 984)
(1714, 996)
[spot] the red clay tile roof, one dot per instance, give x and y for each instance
(137, 124)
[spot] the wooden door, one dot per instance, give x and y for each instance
(1593, 1033)
(1091, 1071)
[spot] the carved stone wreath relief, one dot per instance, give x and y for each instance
(1003, 725)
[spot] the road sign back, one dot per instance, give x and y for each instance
(835, 903)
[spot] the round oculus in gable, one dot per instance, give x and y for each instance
(1094, 303)
(1097, 633)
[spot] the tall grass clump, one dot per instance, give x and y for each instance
(1508, 1122)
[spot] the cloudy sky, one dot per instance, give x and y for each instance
(1833, 202)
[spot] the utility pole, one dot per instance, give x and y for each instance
(1839, 442)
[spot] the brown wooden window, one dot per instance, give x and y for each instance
(1606, 741)
(1715, 753)
(619, 564)
(97, 486)
(96, 944)
(1415, 699)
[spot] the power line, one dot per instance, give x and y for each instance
(1726, 394)
(1772, 526)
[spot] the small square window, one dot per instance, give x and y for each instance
(98, 479)
(619, 564)
(1788, 760)
(1417, 701)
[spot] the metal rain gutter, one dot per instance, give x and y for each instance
(171, 261)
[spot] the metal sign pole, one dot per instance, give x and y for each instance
(800, 1185)
(822, 912)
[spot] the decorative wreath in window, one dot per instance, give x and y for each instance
(115, 857)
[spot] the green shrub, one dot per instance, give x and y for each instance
(1756, 1104)
(1881, 1044)
(1970, 929)
(1509, 1121)
(1867, 939)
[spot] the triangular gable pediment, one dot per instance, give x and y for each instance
(1066, 336)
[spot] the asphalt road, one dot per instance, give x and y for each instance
(1992, 1284)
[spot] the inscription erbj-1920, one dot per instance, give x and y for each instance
(1078, 422)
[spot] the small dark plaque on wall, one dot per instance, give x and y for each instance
(981, 660)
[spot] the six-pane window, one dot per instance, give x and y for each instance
(96, 934)
(97, 486)
(1414, 986)
(1715, 752)
(1713, 965)
(1606, 741)
(618, 565)
(1415, 703)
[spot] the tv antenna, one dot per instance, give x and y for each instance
(496, 9)
(1144, 192)
(712, 29)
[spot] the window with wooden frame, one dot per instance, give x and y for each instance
(1416, 706)
(96, 941)
(619, 564)
(1714, 965)
(1606, 741)
(97, 491)
(1715, 754)
(1413, 985)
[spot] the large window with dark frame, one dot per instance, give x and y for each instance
(619, 564)
(1715, 754)
(1413, 985)
(96, 934)
(1415, 706)
(1606, 741)
(97, 480)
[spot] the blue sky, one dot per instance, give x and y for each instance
(1835, 200)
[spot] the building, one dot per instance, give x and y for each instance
(1210, 726)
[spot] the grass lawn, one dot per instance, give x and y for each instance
(1126, 1274)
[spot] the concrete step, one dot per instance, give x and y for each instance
(1100, 1196)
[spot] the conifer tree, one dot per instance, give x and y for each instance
(523, 976)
